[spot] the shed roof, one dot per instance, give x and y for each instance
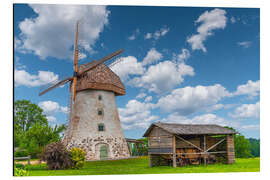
(190, 129)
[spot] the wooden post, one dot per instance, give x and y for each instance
(204, 149)
(174, 151)
(150, 160)
(29, 158)
(230, 149)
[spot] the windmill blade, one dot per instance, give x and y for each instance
(56, 85)
(95, 64)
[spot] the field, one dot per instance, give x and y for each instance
(140, 166)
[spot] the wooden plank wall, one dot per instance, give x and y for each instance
(159, 141)
(230, 149)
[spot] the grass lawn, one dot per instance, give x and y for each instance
(140, 166)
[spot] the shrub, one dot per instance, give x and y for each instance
(20, 172)
(20, 153)
(20, 166)
(78, 157)
(57, 156)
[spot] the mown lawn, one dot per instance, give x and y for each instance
(140, 166)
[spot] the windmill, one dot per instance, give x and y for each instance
(94, 123)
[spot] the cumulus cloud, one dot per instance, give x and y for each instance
(188, 100)
(163, 76)
(247, 111)
(141, 95)
(51, 118)
(148, 99)
(210, 20)
(157, 34)
(51, 32)
(251, 127)
(51, 107)
(244, 44)
(23, 78)
(219, 106)
(134, 35)
(152, 56)
(136, 114)
(200, 119)
(128, 66)
(251, 88)
(184, 55)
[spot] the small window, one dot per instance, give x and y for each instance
(100, 112)
(101, 127)
(99, 97)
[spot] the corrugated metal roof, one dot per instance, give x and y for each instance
(191, 129)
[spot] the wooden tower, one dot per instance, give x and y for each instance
(94, 123)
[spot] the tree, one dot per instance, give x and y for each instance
(26, 114)
(38, 136)
(255, 147)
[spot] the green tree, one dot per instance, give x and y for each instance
(38, 136)
(255, 147)
(26, 114)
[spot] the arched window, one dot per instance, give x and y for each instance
(101, 127)
(99, 97)
(100, 112)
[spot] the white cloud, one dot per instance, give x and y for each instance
(133, 36)
(128, 66)
(51, 107)
(184, 55)
(251, 88)
(210, 20)
(233, 20)
(23, 78)
(163, 76)
(51, 118)
(219, 106)
(141, 95)
(251, 127)
(200, 119)
(157, 34)
(136, 115)
(244, 44)
(188, 100)
(152, 56)
(247, 111)
(148, 99)
(148, 36)
(51, 33)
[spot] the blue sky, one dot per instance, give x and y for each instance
(181, 65)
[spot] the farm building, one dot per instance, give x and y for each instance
(182, 144)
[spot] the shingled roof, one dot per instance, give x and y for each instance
(190, 129)
(100, 78)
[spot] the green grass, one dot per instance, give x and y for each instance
(140, 166)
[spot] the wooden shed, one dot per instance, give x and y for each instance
(182, 144)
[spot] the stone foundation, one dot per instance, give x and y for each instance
(117, 147)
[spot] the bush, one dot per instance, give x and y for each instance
(78, 157)
(20, 172)
(19, 166)
(20, 153)
(57, 156)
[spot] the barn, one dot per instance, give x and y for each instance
(183, 144)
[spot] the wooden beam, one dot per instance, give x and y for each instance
(204, 149)
(216, 144)
(217, 152)
(174, 151)
(188, 142)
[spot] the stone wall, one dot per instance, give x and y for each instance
(83, 130)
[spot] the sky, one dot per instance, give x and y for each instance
(180, 64)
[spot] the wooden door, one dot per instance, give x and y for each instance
(103, 152)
